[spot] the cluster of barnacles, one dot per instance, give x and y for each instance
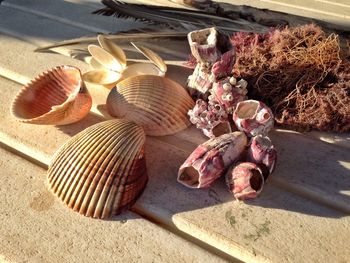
(237, 127)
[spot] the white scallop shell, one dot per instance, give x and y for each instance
(152, 56)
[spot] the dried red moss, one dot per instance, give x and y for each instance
(300, 74)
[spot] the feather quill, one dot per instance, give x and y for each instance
(132, 35)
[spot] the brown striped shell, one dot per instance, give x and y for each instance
(158, 104)
(101, 171)
(57, 96)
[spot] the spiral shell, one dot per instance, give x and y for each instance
(57, 96)
(101, 171)
(158, 104)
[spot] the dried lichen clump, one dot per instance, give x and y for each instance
(300, 73)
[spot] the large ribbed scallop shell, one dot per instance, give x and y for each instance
(158, 104)
(57, 96)
(101, 171)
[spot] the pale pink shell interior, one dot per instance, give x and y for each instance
(50, 89)
(247, 109)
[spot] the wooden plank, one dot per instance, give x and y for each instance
(189, 211)
(168, 202)
(35, 227)
(315, 181)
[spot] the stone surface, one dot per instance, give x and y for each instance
(37, 227)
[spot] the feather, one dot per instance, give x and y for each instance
(132, 35)
(177, 17)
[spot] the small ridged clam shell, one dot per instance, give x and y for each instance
(101, 171)
(141, 69)
(57, 96)
(152, 56)
(112, 48)
(158, 104)
(101, 76)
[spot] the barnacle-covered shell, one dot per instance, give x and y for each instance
(153, 57)
(227, 95)
(199, 83)
(211, 118)
(210, 159)
(57, 96)
(262, 152)
(101, 171)
(245, 180)
(253, 117)
(203, 44)
(158, 104)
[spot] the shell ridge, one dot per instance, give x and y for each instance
(157, 118)
(102, 171)
(108, 170)
(65, 147)
(69, 152)
(111, 195)
(86, 179)
(119, 204)
(93, 150)
(113, 198)
(82, 155)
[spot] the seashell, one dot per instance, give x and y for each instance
(203, 44)
(156, 103)
(57, 96)
(245, 180)
(93, 63)
(210, 159)
(112, 48)
(199, 83)
(224, 66)
(226, 94)
(262, 153)
(153, 57)
(105, 58)
(101, 76)
(253, 117)
(210, 118)
(141, 69)
(101, 171)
